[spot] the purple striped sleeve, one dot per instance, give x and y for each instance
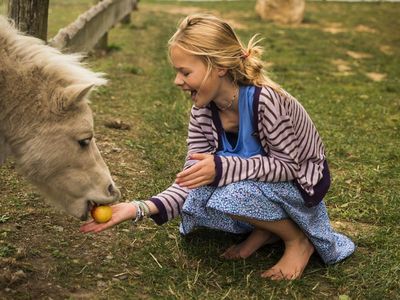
(162, 216)
(218, 170)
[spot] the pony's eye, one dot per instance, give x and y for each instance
(85, 142)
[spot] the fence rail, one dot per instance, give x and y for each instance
(86, 31)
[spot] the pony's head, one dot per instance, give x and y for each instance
(47, 123)
(61, 156)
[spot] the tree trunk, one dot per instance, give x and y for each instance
(30, 16)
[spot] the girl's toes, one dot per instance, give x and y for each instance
(268, 274)
(229, 253)
(278, 274)
(273, 274)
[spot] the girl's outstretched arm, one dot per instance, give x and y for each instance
(120, 212)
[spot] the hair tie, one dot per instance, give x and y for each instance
(245, 54)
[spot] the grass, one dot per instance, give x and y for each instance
(357, 117)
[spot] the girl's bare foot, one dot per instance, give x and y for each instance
(257, 239)
(293, 262)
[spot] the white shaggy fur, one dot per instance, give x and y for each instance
(33, 51)
(44, 116)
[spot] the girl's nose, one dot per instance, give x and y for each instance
(178, 80)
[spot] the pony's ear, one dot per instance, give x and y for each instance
(75, 93)
(67, 97)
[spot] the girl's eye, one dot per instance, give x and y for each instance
(85, 142)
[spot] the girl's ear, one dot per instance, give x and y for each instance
(222, 72)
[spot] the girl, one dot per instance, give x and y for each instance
(256, 163)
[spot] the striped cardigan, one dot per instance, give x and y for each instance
(293, 147)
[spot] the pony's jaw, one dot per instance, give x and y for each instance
(78, 207)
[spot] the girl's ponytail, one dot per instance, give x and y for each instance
(252, 68)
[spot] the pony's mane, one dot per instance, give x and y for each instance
(30, 51)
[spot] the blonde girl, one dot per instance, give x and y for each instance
(255, 164)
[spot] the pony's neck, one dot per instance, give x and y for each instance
(17, 122)
(4, 149)
(3, 123)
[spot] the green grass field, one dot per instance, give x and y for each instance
(342, 63)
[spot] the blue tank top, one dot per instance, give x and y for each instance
(246, 144)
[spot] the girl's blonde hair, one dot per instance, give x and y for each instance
(215, 41)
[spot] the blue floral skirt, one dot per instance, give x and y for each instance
(209, 207)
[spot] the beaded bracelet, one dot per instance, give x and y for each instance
(142, 210)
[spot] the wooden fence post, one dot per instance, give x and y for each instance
(30, 16)
(103, 41)
(127, 18)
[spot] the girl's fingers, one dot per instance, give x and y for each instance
(103, 227)
(92, 226)
(189, 171)
(95, 227)
(202, 183)
(88, 223)
(189, 177)
(199, 156)
(86, 229)
(87, 226)
(192, 182)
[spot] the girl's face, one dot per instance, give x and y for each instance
(192, 77)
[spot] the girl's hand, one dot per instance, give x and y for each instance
(200, 174)
(120, 212)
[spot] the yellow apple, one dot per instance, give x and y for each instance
(101, 213)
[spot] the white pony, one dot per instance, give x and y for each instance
(46, 123)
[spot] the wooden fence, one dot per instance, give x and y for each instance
(90, 27)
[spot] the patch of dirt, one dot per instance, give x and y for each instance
(355, 229)
(342, 66)
(117, 124)
(386, 49)
(363, 28)
(376, 76)
(334, 28)
(358, 55)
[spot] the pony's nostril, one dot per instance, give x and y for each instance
(111, 190)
